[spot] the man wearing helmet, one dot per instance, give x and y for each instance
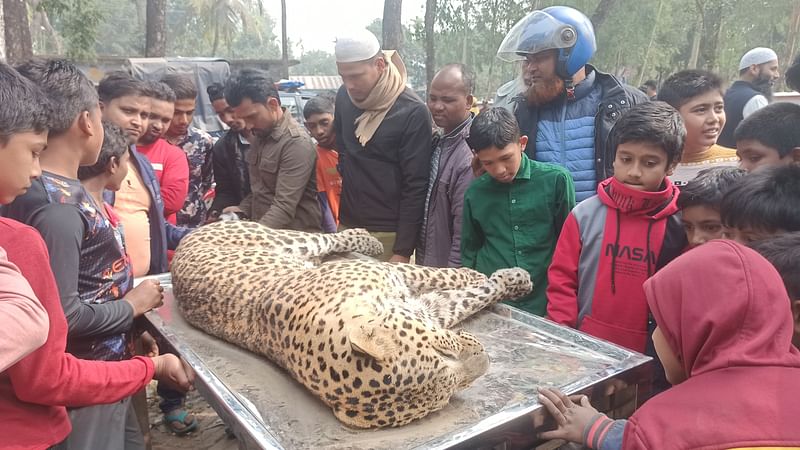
(567, 107)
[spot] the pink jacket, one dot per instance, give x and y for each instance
(23, 320)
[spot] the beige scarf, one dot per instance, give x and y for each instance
(390, 85)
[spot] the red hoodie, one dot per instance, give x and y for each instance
(723, 309)
(35, 390)
(609, 245)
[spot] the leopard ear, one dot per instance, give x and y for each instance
(374, 340)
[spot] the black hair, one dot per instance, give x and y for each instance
(317, 105)
(495, 127)
(655, 123)
(650, 84)
(159, 91)
(254, 84)
(708, 187)
(215, 91)
(783, 251)
(182, 85)
(682, 86)
(765, 200)
(793, 74)
(115, 144)
(119, 84)
(776, 126)
(467, 76)
(70, 92)
(24, 106)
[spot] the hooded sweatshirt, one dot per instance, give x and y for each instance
(610, 244)
(724, 311)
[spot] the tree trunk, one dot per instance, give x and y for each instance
(712, 27)
(392, 25)
(156, 33)
(19, 46)
(465, 43)
(284, 43)
(696, 39)
(430, 47)
(2, 35)
(601, 13)
(650, 44)
(492, 31)
(791, 37)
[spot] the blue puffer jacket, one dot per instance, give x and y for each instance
(574, 133)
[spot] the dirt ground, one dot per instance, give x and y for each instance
(210, 433)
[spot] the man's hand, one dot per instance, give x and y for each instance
(149, 345)
(232, 209)
(571, 414)
(400, 259)
(174, 371)
(146, 296)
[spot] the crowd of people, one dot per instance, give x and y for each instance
(632, 210)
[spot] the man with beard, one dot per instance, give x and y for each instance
(228, 156)
(169, 162)
(282, 161)
(758, 71)
(559, 110)
(383, 135)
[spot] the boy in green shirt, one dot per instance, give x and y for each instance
(513, 213)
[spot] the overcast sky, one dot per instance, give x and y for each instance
(313, 23)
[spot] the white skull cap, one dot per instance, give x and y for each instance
(758, 55)
(356, 45)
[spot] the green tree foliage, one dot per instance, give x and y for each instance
(78, 22)
(315, 62)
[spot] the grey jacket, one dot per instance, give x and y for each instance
(440, 242)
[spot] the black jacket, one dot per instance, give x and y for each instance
(617, 98)
(230, 172)
(384, 184)
(736, 97)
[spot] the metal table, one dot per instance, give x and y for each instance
(265, 408)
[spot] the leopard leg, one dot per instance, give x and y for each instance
(449, 307)
(421, 279)
(308, 246)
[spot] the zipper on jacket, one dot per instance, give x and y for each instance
(563, 127)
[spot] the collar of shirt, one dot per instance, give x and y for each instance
(281, 127)
(525, 169)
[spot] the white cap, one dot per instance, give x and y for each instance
(758, 55)
(356, 45)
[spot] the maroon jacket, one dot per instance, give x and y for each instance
(725, 313)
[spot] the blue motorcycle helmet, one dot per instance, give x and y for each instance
(557, 27)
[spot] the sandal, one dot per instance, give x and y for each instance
(176, 422)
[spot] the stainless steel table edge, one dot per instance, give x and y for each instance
(246, 424)
(628, 360)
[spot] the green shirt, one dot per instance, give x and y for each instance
(517, 224)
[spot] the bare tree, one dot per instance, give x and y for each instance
(2, 35)
(156, 32)
(19, 46)
(284, 43)
(465, 42)
(392, 25)
(430, 48)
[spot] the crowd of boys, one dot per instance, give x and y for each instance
(98, 185)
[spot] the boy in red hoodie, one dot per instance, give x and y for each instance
(612, 242)
(724, 335)
(35, 390)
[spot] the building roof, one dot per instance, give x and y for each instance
(313, 83)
